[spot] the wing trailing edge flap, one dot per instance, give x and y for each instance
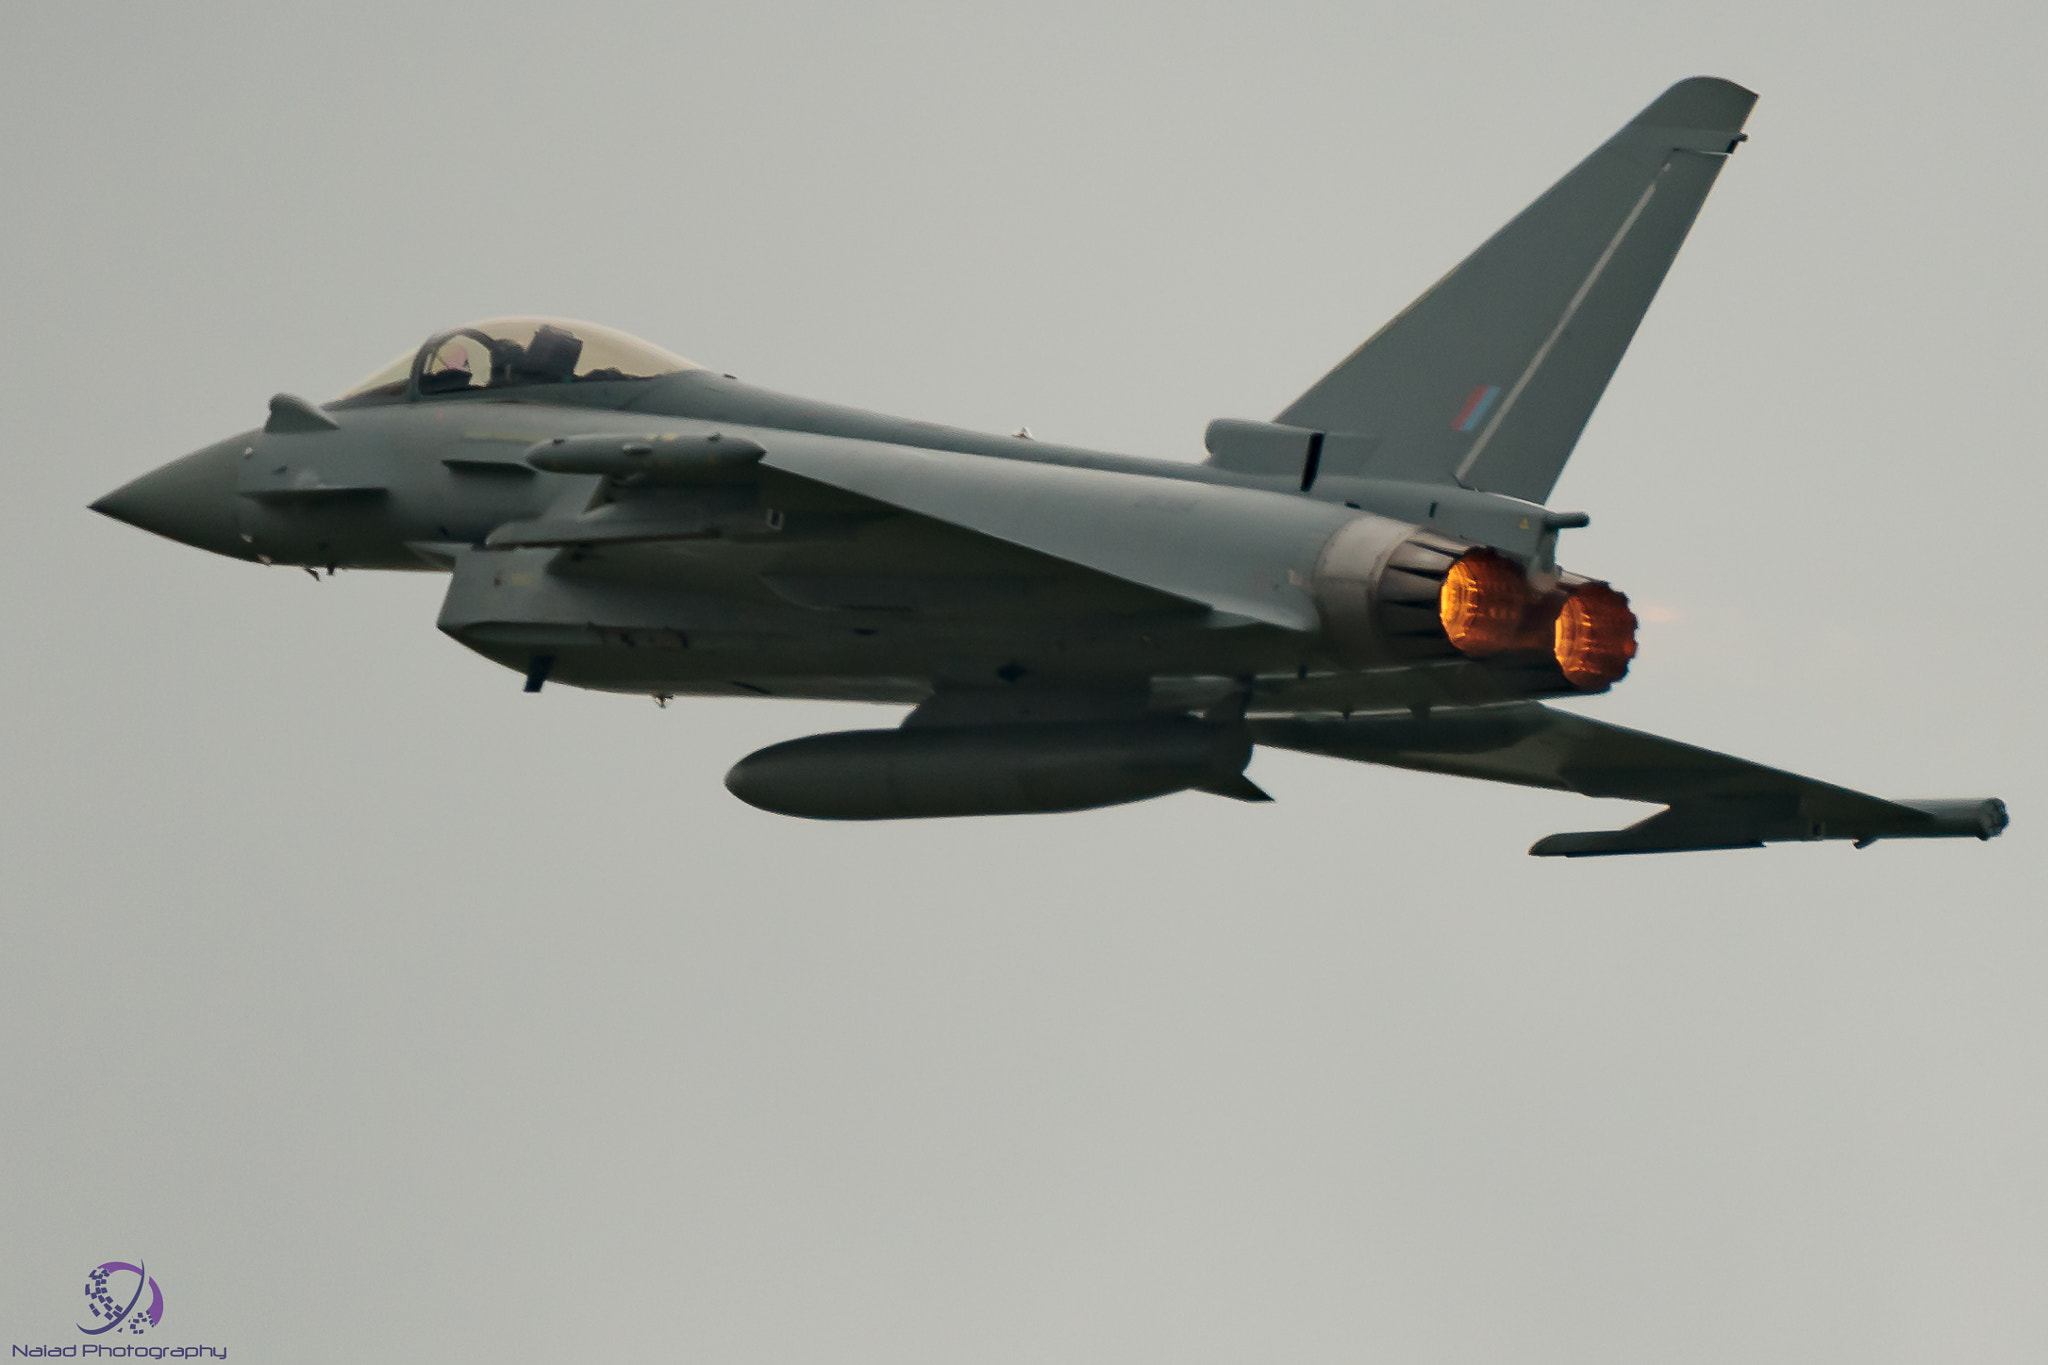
(1245, 554)
(1711, 800)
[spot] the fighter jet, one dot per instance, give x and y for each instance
(1371, 575)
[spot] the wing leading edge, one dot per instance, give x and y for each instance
(1241, 552)
(1711, 800)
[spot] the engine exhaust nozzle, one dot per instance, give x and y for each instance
(1595, 637)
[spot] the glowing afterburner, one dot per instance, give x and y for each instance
(1486, 606)
(1596, 637)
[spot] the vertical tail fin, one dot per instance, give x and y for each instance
(1488, 379)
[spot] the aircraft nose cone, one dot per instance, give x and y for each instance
(189, 500)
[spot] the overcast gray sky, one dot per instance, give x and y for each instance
(392, 1014)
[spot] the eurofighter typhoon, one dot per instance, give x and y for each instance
(1370, 575)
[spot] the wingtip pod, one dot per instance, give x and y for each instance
(1984, 818)
(1678, 829)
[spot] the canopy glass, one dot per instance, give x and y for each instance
(509, 353)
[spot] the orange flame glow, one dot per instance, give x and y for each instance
(1596, 637)
(1484, 604)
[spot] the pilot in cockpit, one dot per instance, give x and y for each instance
(448, 369)
(507, 353)
(548, 358)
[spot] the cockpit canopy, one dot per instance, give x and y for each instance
(510, 353)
